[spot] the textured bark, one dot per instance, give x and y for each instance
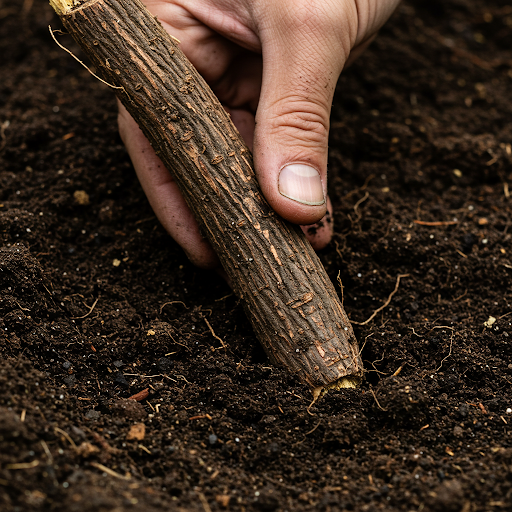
(290, 300)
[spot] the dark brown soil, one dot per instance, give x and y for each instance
(97, 303)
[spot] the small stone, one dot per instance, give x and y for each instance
(137, 432)
(458, 431)
(490, 322)
(223, 500)
(81, 197)
(92, 415)
(130, 409)
(78, 432)
(164, 364)
(118, 364)
(212, 439)
(70, 380)
(463, 410)
(66, 365)
(120, 380)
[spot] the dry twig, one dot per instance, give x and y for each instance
(360, 202)
(172, 302)
(376, 401)
(374, 314)
(82, 63)
(109, 471)
(436, 223)
(87, 314)
(23, 465)
(58, 430)
(214, 335)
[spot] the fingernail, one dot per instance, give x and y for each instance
(301, 183)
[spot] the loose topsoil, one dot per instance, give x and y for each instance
(97, 303)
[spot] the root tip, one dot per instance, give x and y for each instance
(343, 383)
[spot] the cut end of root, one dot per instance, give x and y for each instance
(344, 383)
(63, 6)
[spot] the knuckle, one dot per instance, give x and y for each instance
(320, 23)
(304, 13)
(318, 19)
(299, 122)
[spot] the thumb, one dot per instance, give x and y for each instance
(302, 60)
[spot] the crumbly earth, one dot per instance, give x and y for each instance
(97, 303)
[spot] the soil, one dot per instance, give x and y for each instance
(98, 304)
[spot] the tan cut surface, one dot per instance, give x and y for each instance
(62, 6)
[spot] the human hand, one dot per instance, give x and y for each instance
(274, 65)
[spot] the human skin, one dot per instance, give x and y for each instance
(274, 65)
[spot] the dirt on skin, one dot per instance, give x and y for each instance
(97, 303)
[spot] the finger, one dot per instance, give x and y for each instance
(303, 56)
(204, 46)
(164, 195)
